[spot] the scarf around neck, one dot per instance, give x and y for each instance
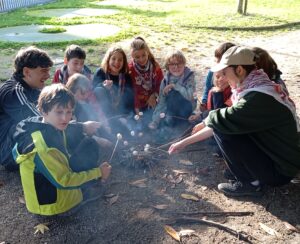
(259, 81)
(145, 75)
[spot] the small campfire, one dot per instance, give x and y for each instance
(141, 156)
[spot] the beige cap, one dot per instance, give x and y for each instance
(235, 55)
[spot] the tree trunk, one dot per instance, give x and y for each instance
(245, 7)
(240, 6)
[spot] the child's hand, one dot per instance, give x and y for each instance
(152, 101)
(168, 88)
(175, 147)
(107, 84)
(90, 127)
(194, 117)
(198, 127)
(105, 170)
(203, 107)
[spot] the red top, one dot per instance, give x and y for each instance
(144, 84)
(226, 98)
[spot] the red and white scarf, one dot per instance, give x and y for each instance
(259, 81)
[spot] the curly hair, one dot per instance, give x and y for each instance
(31, 57)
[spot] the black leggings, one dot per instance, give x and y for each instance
(247, 161)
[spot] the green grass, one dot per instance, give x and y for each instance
(53, 30)
(170, 22)
(182, 19)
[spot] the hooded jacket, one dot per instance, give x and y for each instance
(50, 185)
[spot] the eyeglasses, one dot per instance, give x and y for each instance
(173, 65)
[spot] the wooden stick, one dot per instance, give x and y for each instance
(183, 135)
(114, 150)
(213, 213)
(189, 220)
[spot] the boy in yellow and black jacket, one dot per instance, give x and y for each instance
(56, 158)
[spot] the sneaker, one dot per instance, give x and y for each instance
(239, 189)
(228, 175)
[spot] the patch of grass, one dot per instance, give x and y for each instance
(171, 22)
(53, 30)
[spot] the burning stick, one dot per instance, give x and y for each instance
(119, 137)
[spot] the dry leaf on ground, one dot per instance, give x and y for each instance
(189, 197)
(113, 200)
(269, 230)
(186, 232)
(172, 232)
(291, 227)
(160, 206)
(22, 200)
(139, 183)
(41, 228)
(185, 162)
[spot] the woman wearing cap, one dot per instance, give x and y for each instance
(258, 135)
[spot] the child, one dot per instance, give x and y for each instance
(18, 97)
(219, 96)
(176, 96)
(73, 63)
(146, 76)
(85, 110)
(79, 85)
(53, 167)
(209, 79)
(112, 83)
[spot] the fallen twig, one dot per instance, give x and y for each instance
(213, 213)
(190, 220)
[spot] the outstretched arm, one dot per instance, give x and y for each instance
(200, 135)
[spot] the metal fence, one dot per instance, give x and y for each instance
(8, 5)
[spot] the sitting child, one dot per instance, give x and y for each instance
(176, 97)
(73, 63)
(56, 158)
(219, 96)
(112, 84)
(146, 76)
(79, 85)
(209, 78)
(86, 110)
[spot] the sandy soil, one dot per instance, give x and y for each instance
(133, 218)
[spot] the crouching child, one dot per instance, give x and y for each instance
(59, 159)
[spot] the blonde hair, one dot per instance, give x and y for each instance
(139, 43)
(175, 54)
(111, 51)
(78, 82)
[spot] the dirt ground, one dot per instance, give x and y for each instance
(130, 211)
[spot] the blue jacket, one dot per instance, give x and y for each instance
(17, 102)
